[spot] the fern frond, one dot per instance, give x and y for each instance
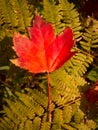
(62, 15)
(79, 115)
(67, 113)
(45, 124)
(57, 119)
(6, 124)
(52, 13)
(67, 127)
(81, 126)
(71, 17)
(28, 125)
(19, 114)
(15, 15)
(90, 37)
(10, 115)
(64, 91)
(28, 101)
(78, 64)
(21, 111)
(40, 98)
(36, 123)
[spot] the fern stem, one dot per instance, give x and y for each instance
(49, 98)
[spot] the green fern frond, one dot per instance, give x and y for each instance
(67, 127)
(58, 116)
(29, 101)
(19, 114)
(81, 126)
(62, 15)
(67, 113)
(78, 64)
(45, 125)
(28, 125)
(15, 15)
(7, 124)
(10, 115)
(52, 13)
(40, 98)
(90, 37)
(57, 119)
(36, 123)
(64, 91)
(71, 17)
(79, 115)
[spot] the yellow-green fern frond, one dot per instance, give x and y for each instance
(52, 13)
(90, 36)
(29, 101)
(70, 17)
(78, 65)
(62, 14)
(15, 15)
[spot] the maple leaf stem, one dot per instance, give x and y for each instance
(49, 98)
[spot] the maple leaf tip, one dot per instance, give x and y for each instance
(37, 18)
(14, 61)
(13, 48)
(15, 34)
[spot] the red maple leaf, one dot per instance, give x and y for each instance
(42, 51)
